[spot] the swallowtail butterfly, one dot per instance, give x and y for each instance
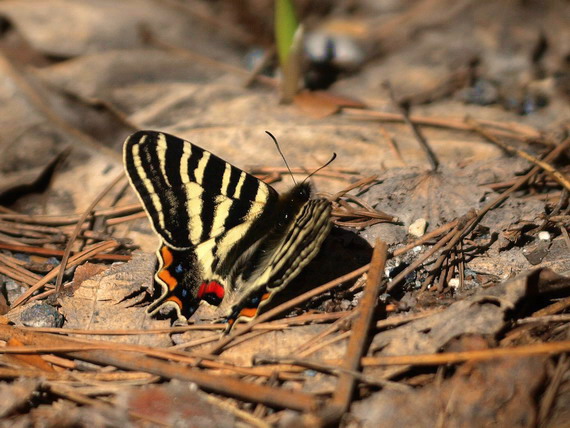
(227, 238)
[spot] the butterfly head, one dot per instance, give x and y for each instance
(291, 202)
(298, 195)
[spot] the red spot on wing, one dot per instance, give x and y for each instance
(211, 288)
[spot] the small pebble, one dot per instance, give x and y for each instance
(418, 227)
(544, 236)
(454, 283)
(13, 289)
(41, 315)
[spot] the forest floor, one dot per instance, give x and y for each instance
(441, 296)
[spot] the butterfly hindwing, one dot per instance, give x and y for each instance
(298, 246)
(178, 280)
(226, 236)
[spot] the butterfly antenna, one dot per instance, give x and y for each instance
(281, 153)
(324, 166)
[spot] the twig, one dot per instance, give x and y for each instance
(557, 175)
(288, 305)
(461, 267)
(466, 225)
(418, 262)
(549, 395)
(73, 237)
(62, 220)
(277, 397)
(566, 236)
(472, 223)
(300, 320)
(545, 319)
(509, 130)
(549, 348)
(341, 399)
(52, 252)
(434, 162)
(19, 274)
(440, 230)
(331, 329)
(329, 369)
(73, 261)
(242, 414)
(324, 343)
(362, 182)
(392, 143)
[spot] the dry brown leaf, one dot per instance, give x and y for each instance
(491, 393)
(99, 303)
(175, 402)
(320, 104)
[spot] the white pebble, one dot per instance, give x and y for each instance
(544, 236)
(454, 283)
(418, 227)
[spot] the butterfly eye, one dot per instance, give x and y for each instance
(179, 269)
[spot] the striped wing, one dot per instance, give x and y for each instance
(192, 196)
(224, 232)
(296, 248)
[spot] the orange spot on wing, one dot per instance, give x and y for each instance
(248, 312)
(163, 274)
(168, 279)
(167, 256)
(265, 296)
(175, 300)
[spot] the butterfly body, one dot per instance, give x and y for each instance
(227, 238)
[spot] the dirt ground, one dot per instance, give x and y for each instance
(441, 295)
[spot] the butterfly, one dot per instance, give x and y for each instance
(226, 237)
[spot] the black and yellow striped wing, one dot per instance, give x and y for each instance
(295, 248)
(224, 232)
(189, 194)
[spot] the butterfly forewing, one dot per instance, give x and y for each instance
(190, 194)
